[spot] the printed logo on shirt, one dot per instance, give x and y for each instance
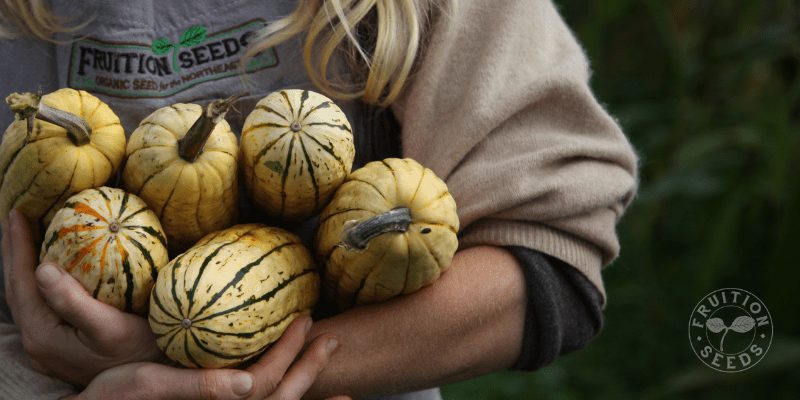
(166, 66)
(730, 330)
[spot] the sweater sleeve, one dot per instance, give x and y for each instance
(501, 109)
(563, 311)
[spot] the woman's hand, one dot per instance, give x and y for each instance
(67, 333)
(72, 336)
(279, 374)
(276, 375)
(155, 382)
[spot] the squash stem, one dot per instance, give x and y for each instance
(190, 145)
(28, 106)
(358, 235)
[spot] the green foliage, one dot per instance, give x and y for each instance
(709, 94)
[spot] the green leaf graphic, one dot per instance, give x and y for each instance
(193, 36)
(274, 165)
(161, 46)
(743, 324)
(715, 325)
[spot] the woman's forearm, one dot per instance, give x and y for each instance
(468, 323)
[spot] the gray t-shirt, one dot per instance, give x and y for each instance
(143, 55)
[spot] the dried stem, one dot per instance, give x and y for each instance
(358, 235)
(29, 106)
(191, 144)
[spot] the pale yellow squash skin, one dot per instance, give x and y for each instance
(191, 198)
(289, 173)
(393, 263)
(240, 288)
(40, 171)
(111, 243)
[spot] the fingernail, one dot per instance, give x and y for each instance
(331, 345)
(308, 325)
(48, 274)
(241, 383)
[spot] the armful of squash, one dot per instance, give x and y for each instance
(386, 229)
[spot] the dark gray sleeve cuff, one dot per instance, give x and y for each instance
(564, 309)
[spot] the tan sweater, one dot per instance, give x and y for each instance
(501, 109)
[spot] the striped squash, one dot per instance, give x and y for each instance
(227, 298)
(111, 242)
(389, 230)
(63, 143)
(182, 161)
(296, 149)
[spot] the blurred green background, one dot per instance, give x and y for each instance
(709, 94)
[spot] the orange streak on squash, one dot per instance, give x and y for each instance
(86, 267)
(81, 208)
(103, 260)
(77, 228)
(81, 254)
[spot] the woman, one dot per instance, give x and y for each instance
(493, 96)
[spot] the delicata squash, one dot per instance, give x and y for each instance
(296, 149)
(59, 144)
(182, 162)
(111, 243)
(230, 296)
(390, 229)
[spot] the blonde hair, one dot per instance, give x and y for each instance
(32, 17)
(391, 30)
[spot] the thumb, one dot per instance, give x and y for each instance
(150, 381)
(70, 300)
(162, 382)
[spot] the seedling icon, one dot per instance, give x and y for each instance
(742, 324)
(192, 36)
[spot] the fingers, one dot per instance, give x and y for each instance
(271, 367)
(70, 301)
(23, 294)
(304, 372)
(151, 381)
(162, 382)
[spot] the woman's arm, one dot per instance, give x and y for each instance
(468, 323)
(500, 108)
